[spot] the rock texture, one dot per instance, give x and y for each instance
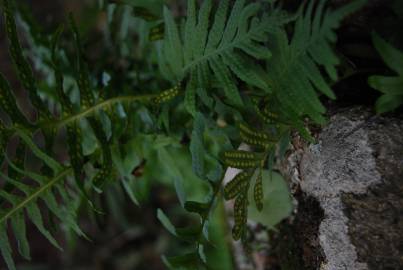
(354, 174)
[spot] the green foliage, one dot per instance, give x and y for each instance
(45, 189)
(391, 87)
(216, 53)
(23, 68)
(51, 182)
(230, 67)
(294, 70)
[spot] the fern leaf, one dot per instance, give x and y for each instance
(35, 216)
(294, 65)
(197, 145)
(8, 103)
(19, 229)
(5, 247)
(200, 38)
(258, 191)
(255, 138)
(75, 151)
(190, 95)
(167, 95)
(27, 202)
(24, 70)
(83, 80)
(232, 23)
(240, 215)
(49, 161)
(216, 52)
(106, 169)
(173, 43)
(225, 79)
(242, 159)
(67, 106)
(237, 185)
(390, 86)
(190, 28)
(217, 29)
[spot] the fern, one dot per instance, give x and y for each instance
(294, 70)
(225, 52)
(45, 190)
(237, 65)
(222, 50)
(391, 87)
(51, 183)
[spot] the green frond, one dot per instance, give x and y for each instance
(255, 138)
(27, 202)
(74, 138)
(190, 95)
(66, 104)
(242, 159)
(240, 215)
(83, 78)
(237, 185)
(293, 71)
(172, 43)
(197, 148)
(258, 191)
(390, 86)
(22, 66)
(106, 168)
(190, 28)
(8, 103)
(5, 247)
(223, 50)
(23, 198)
(167, 95)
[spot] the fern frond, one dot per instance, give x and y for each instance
(28, 202)
(240, 215)
(258, 191)
(22, 66)
(390, 86)
(83, 78)
(237, 185)
(24, 198)
(8, 103)
(221, 51)
(294, 70)
(242, 159)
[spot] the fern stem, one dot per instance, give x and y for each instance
(99, 106)
(36, 194)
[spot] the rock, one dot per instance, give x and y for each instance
(354, 175)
